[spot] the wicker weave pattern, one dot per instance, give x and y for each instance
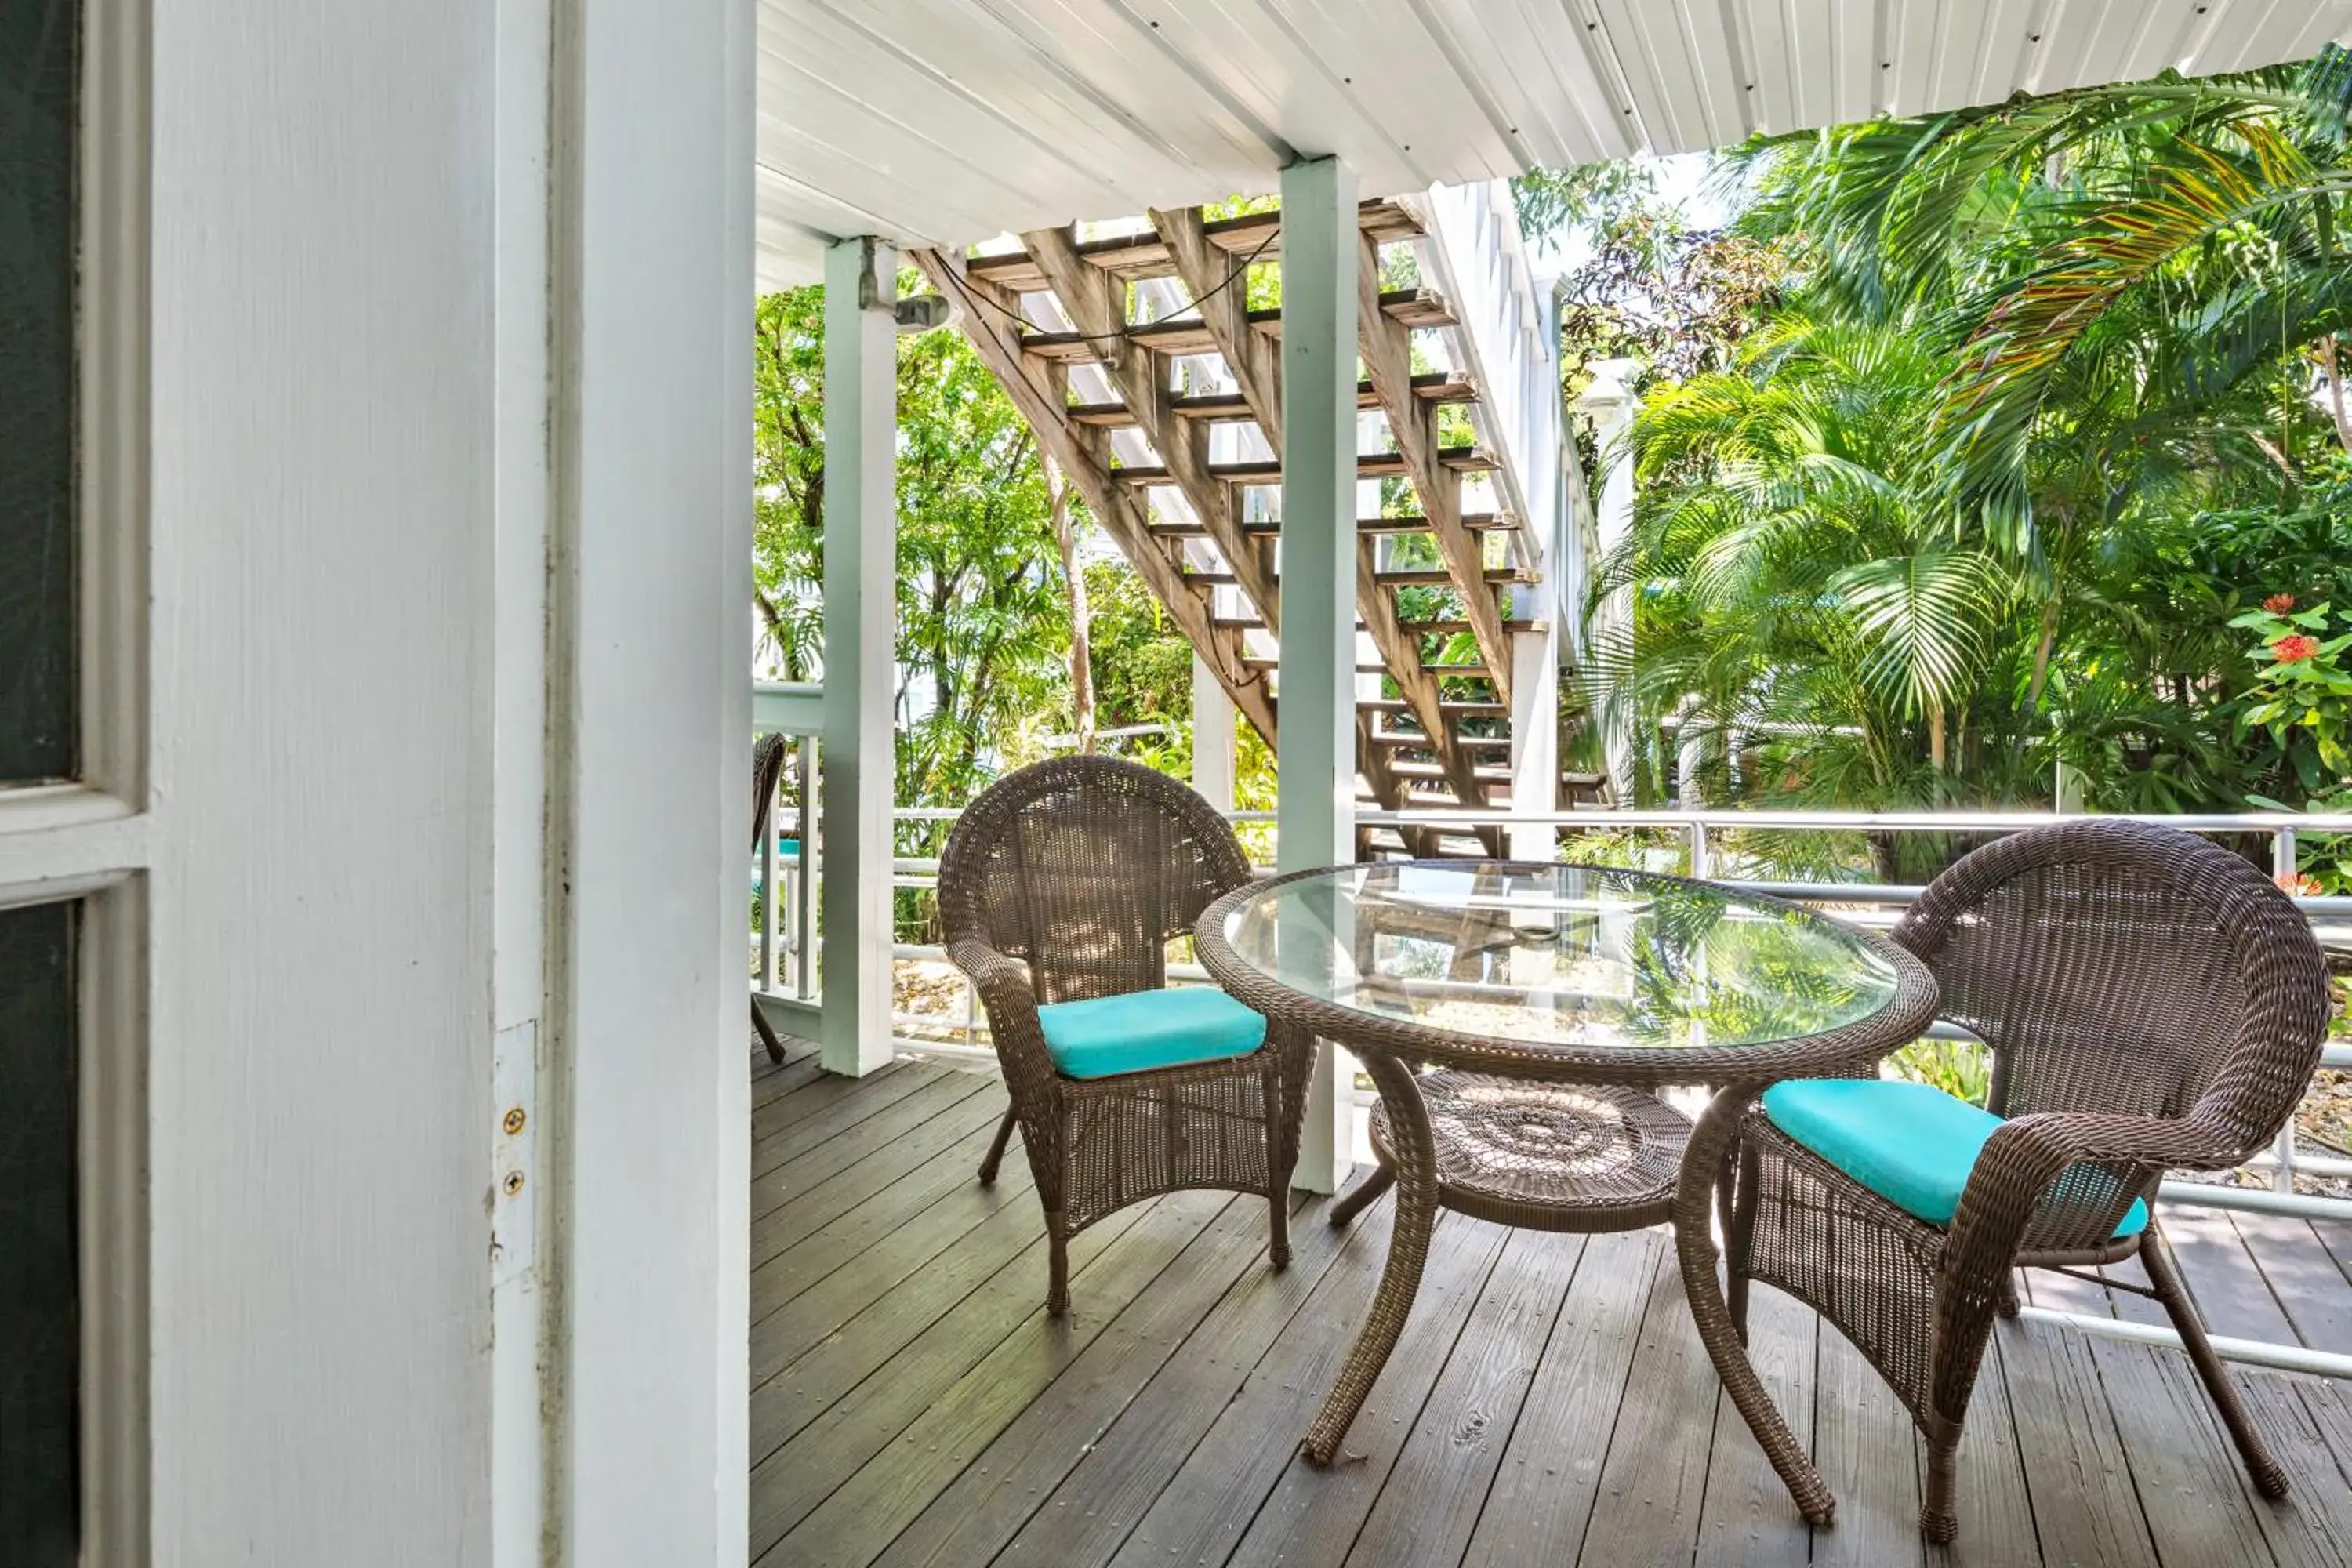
(2151, 1002)
(1066, 881)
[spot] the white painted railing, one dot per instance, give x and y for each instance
(1507, 341)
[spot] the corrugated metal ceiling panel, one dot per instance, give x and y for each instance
(950, 121)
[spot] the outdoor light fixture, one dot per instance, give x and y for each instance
(924, 313)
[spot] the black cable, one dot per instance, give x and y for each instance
(963, 286)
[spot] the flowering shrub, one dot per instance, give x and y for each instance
(2303, 700)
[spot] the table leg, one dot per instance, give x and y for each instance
(1416, 1154)
(1703, 1166)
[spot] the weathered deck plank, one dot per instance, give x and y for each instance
(1547, 1403)
(1541, 1500)
(1314, 1516)
(797, 1200)
(2303, 1276)
(1438, 1488)
(868, 1259)
(984, 1506)
(1746, 1518)
(934, 1192)
(871, 1097)
(851, 1496)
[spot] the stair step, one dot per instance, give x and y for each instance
(1405, 769)
(1190, 335)
(1427, 628)
(1145, 255)
(1430, 386)
(1476, 522)
(1268, 470)
(1463, 707)
(1438, 577)
(1413, 739)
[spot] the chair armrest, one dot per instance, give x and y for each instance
(2016, 1189)
(1010, 1004)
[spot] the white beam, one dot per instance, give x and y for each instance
(1212, 736)
(1317, 677)
(1612, 404)
(1535, 740)
(861, 546)
(652, 684)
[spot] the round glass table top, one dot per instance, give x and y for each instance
(1591, 960)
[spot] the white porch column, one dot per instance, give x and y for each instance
(861, 549)
(1612, 402)
(1212, 736)
(1535, 741)
(1316, 678)
(650, 694)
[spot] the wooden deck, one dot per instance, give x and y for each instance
(1548, 1404)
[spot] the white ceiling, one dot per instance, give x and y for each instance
(949, 122)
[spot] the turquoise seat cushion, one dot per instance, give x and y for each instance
(1912, 1144)
(1104, 1036)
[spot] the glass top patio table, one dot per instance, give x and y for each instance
(1554, 999)
(1565, 971)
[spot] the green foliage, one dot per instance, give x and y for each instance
(1973, 465)
(983, 625)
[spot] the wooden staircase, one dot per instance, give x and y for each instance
(1139, 363)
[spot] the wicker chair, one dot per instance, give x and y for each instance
(2151, 1002)
(767, 767)
(1065, 882)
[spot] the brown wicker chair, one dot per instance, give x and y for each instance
(767, 767)
(1065, 882)
(2151, 1002)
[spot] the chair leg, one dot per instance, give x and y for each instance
(1359, 1198)
(2006, 1303)
(2268, 1477)
(995, 1155)
(767, 1034)
(1057, 1265)
(1739, 1233)
(1939, 1521)
(1278, 1209)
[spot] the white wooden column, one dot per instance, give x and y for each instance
(1317, 677)
(861, 547)
(1535, 741)
(1212, 736)
(1612, 402)
(650, 693)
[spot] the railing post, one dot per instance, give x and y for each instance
(2282, 871)
(768, 896)
(1317, 675)
(1700, 858)
(805, 897)
(861, 539)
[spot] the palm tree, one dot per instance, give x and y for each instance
(1803, 599)
(2180, 234)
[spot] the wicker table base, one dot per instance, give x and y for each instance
(1543, 1157)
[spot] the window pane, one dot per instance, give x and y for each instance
(40, 93)
(40, 1338)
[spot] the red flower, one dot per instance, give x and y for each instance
(2279, 604)
(2294, 647)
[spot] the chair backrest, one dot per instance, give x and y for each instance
(767, 767)
(2122, 967)
(1086, 866)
